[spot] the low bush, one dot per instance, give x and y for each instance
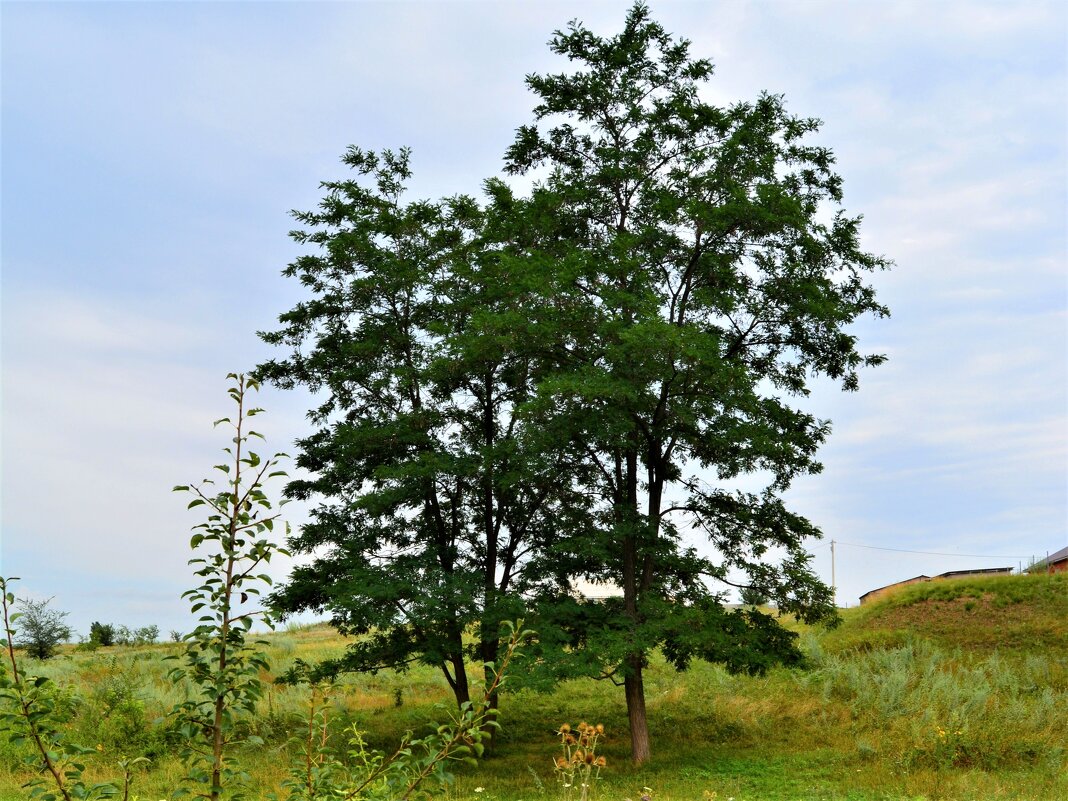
(41, 629)
(101, 634)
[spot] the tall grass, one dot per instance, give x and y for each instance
(941, 709)
(862, 721)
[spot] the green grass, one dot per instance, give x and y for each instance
(860, 723)
(1014, 613)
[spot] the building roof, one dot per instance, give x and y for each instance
(1053, 558)
(1059, 556)
(888, 586)
(977, 571)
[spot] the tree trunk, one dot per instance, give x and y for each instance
(460, 686)
(489, 650)
(489, 644)
(639, 727)
(633, 686)
(457, 679)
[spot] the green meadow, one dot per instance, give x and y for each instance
(948, 690)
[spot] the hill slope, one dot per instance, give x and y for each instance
(1010, 613)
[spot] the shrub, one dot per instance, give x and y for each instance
(41, 629)
(119, 711)
(101, 634)
(146, 635)
(105, 634)
(753, 596)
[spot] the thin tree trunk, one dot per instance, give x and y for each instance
(633, 686)
(457, 679)
(489, 650)
(445, 539)
(489, 644)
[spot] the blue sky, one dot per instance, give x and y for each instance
(151, 152)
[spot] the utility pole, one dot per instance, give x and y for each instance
(834, 585)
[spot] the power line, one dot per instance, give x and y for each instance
(928, 553)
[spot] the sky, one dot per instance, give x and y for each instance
(151, 153)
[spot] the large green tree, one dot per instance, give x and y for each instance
(570, 383)
(697, 273)
(432, 492)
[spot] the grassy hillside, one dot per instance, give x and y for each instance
(1014, 614)
(906, 700)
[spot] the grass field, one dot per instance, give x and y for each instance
(947, 690)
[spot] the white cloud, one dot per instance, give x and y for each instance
(105, 409)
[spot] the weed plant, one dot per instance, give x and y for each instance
(578, 767)
(941, 709)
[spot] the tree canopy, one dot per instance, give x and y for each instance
(702, 274)
(436, 491)
(569, 383)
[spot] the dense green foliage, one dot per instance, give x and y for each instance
(560, 385)
(700, 274)
(101, 634)
(436, 491)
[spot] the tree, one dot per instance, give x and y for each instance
(565, 384)
(752, 596)
(102, 634)
(698, 274)
(41, 629)
(435, 490)
(225, 669)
